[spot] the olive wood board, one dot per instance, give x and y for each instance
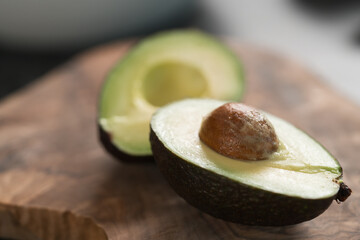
(57, 182)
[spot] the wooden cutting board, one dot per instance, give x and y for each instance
(56, 181)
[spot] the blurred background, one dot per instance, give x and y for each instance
(324, 35)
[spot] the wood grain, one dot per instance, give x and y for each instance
(56, 181)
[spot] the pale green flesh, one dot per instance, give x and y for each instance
(301, 167)
(134, 132)
(169, 67)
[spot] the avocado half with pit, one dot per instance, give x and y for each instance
(296, 183)
(162, 68)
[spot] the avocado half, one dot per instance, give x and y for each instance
(296, 183)
(162, 68)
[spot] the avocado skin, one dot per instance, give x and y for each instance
(230, 200)
(105, 139)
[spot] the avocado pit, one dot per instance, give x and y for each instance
(239, 132)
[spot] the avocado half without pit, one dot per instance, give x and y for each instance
(162, 68)
(242, 165)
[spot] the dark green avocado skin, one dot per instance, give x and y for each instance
(105, 140)
(230, 200)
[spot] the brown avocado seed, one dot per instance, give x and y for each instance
(240, 132)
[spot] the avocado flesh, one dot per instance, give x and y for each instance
(298, 182)
(161, 69)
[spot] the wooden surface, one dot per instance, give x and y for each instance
(56, 181)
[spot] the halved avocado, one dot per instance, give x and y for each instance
(163, 68)
(296, 183)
